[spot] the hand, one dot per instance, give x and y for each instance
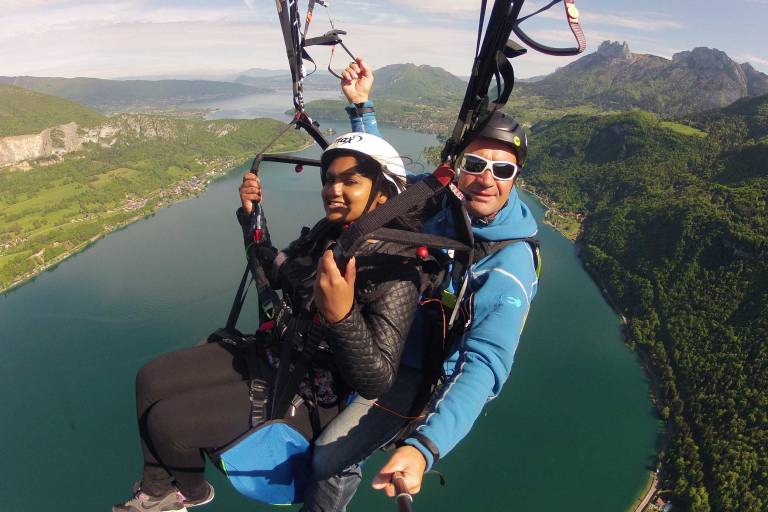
(334, 293)
(250, 191)
(407, 460)
(356, 81)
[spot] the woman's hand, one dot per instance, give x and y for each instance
(356, 81)
(406, 460)
(334, 293)
(250, 191)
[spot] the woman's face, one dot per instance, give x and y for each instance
(346, 191)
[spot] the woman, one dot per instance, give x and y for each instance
(200, 398)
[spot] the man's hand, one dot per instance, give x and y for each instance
(407, 460)
(334, 293)
(356, 81)
(250, 191)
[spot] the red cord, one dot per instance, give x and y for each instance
(394, 413)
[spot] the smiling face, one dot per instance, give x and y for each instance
(485, 195)
(346, 190)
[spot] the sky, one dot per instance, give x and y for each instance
(133, 38)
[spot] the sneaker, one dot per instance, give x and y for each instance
(142, 502)
(202, 501)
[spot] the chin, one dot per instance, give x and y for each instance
(335, 217)
(479, 210)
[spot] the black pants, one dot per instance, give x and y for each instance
(199, 398)
(188, 401)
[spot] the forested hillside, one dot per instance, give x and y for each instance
(23, 112)
(676, 227)
(59, 205)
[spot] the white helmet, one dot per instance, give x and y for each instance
(371, 146)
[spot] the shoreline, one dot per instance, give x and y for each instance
(550, 209)
(211, 174)
(645, 497)
(651, 487)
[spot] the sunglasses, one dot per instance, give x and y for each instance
(500, 169)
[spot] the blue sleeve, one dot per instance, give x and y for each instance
(507, 283)
(365, 122)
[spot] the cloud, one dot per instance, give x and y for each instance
(754, 59)
(440, 6)
(7, 6)
(640, 22)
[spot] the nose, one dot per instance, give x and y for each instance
(487, 177)
(332, 189)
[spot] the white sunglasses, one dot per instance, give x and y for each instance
(501, 170)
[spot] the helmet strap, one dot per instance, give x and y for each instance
(374, 192)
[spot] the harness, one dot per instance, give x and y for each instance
(296, 325)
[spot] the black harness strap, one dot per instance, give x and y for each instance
(416, 195)
(413, 239)
(298, 347)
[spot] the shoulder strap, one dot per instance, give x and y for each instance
(485, 248)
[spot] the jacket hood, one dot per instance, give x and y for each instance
(514, 220)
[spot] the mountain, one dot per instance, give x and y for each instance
(675, 230)
(116, 95)
(25, 112)
(189, 75)
(615, 78)
(264, 73)
(424, 84)
(422, 98)
(277, 79)
(69, 175)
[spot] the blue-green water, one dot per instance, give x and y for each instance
(573, 429)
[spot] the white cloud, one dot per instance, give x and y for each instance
(440, 6)
(140, 37)
(639, 22)
(8, 6)
(753, 59)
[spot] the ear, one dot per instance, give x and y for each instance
(381, 199)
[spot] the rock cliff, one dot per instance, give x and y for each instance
(53, 142)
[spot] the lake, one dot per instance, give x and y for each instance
(573, 429)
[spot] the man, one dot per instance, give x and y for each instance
(503, 281)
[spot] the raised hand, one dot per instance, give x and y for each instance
(356, 81)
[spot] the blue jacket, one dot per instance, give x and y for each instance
(504, 284)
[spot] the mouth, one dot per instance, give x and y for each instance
(482, 196)
(333, 205)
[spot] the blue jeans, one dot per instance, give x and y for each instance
(355, 434)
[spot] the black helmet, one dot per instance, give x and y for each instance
(503, 128)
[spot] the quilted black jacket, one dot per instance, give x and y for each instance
(368, 342)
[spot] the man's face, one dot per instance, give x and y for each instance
(485, 195)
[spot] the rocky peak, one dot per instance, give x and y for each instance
(614, 50)
(704, 58)
(757, 82)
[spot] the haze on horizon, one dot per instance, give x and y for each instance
(133, 38)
